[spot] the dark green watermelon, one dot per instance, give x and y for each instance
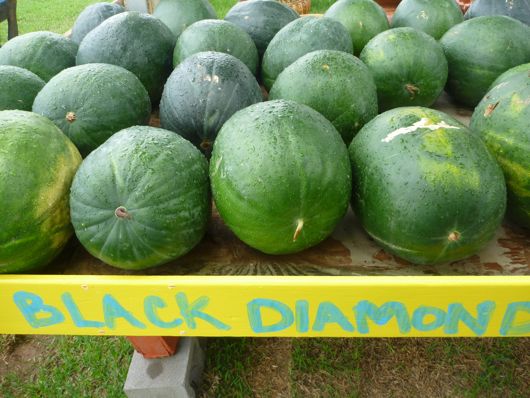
(91, 17)
(474, 67)
(280, 176)
(141, 199)
(518, 9)
(408, 66)
(38, 165)
(18, 88)
(503, 117)
(179, 14)
(137, 42)
(300, 37)
(425, 187)
(89, 103)
(334, 83)
(432, 17)
(217, 35)
(43, 53)
(364, 19)
(261, 20)
(203, 92)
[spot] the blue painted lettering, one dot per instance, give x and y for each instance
(195, 310)
(37, 314)
(419, 315)
(381, 315)
(329, 313)
(76, 315)
(256, 322)
(510, 325)
(151, 304)
(113, 310)
(302, 316)
(456, 313)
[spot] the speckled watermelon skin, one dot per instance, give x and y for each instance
(408, 66)
(364, 19)
(177, 15)
(140, 43)
(91, 102)
(330, 82)
(91, 17)
(261, 20)
(280, 176)
(432, 17)
(301, 37)
(473, 67)
(18, 88)
(43, 53)
(503, 120)
(425, 187)
(141, 199)
(34, 188)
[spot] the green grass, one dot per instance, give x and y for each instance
(74, 367)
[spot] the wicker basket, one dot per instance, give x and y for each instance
(300, 6)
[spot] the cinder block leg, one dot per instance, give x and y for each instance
(171, 377)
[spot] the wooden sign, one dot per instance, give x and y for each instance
(294, 306)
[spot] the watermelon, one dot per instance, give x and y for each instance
(472, 67)
(425, 186)
(261, 20)
(43, 53)
(280, 176)
(432, 17)
(91, 102)
(518, 9)
(330, 82)
(34, 186)
(502, 118)
(220, 36)
(141, 199)
(408, 66)
(137, 42)
(179, 14)
(364, 19)
(18, 88)
(203, 92)
(91, 17)
(300, 37)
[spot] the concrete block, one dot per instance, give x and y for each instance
(171, 377)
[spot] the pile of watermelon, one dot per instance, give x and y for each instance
(282, 121)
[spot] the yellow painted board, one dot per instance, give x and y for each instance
(294, 306)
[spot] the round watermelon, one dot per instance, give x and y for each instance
(217, 35)
(425, 187)
(261, 20)
(432, 17)
(37, 165)
(18, 88)
(364, 19)
(43, 53)
(518, 9)
(91, 17)
(408, 66)
(280, 176)
(474, 63)
(91, 102)
(203, 92)
(179, 14)
(502, 118)
(137, 42)
(141, 199)
(334, 83)
(301, 37)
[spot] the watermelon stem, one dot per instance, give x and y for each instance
(454, 236)
(299, 226)
(412, 89)
(121, 212)
(70, 117)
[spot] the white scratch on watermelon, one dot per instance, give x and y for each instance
(424, 123)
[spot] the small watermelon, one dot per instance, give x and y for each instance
(18, 88)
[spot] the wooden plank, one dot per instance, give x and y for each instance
(266, 306)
